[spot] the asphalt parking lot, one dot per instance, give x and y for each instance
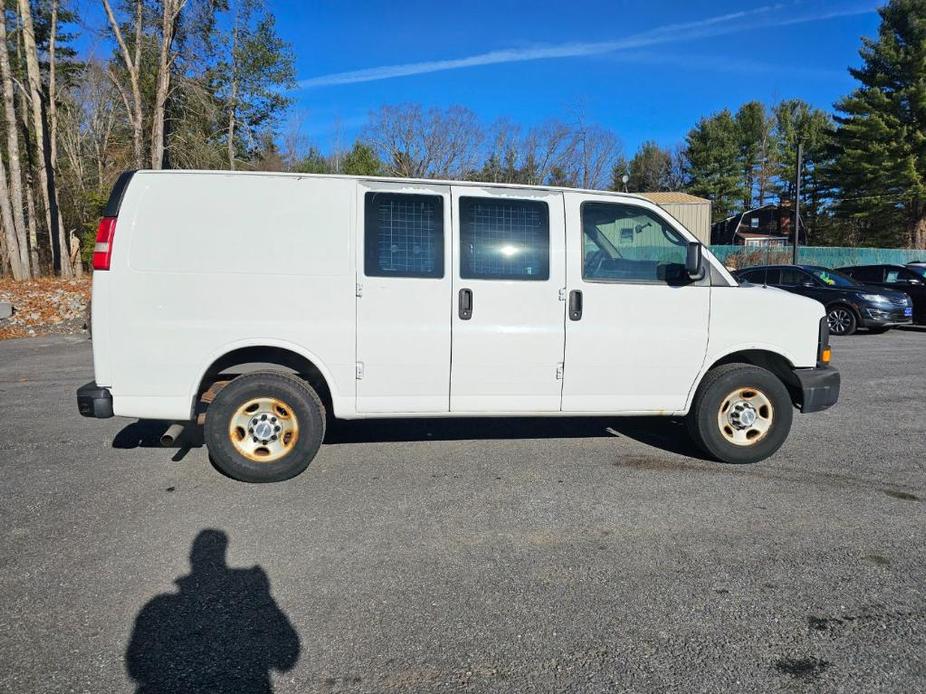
(496, 555)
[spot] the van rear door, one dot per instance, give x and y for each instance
(509, 267)
(403, 298)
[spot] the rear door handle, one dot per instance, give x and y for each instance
(466, 304)
(575, 305)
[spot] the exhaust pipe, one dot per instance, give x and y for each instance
(169, 437)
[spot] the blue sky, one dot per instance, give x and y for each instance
(646, 69)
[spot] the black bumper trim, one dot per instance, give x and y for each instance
(93, 401)
(819, 387)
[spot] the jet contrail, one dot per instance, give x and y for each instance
(669, 33)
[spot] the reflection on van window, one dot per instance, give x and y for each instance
(403, 235)
(625, 243)
(504, 239)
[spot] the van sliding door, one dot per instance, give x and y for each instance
(403, 294)
(508, 312)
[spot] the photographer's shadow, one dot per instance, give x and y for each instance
(221, 632)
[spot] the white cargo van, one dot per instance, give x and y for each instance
(259, 304)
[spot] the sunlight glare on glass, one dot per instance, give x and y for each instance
(508, 250)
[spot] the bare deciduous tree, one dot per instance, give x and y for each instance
(170, 13)
(58, 244)
(416, 144)
(132, 62)
(28, 262)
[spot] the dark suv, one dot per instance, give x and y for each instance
(910, 279)
(849, 304)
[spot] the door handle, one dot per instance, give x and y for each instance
(575, 305)
(466, 304)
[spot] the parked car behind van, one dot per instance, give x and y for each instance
(849, 304)
(910, 279)
(260, 304)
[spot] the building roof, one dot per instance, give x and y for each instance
(758, 235)
(670, 197)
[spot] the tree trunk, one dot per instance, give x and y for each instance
(22, 116)
(132, 66)
(43, 144)
(31, 224)
(170, 13)
(918, 227)
(74, 262)
(11, 244)
(29, 264)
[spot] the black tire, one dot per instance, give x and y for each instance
(841, 319)
(715, 392)
(306, 409)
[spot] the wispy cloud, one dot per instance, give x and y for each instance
(766, 16)
(714, 64)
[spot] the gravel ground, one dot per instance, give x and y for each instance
(500, 555)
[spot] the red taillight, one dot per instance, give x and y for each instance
(103, 250)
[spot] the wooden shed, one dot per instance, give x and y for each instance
(693, 212)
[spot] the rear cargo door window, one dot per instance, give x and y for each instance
(403, 235)
(503, 239)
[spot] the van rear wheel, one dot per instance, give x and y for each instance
(740, 414)
(265, 427)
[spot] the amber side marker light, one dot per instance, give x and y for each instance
(826, 355)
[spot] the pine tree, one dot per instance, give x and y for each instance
(362, 161)
(649, 169)
(798, 122)
(754, 132)
(713, 166)
(880, 142)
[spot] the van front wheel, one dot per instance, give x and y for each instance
(740, 414)
(265, 427)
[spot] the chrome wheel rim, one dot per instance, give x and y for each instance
(264, 429)
(745, 416)
(839, 320)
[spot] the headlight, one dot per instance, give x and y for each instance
(875, 298)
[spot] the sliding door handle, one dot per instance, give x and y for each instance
(575, 305)
(466, 304)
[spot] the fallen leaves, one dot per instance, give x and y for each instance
(47, 306)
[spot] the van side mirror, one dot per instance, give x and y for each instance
(694, 263)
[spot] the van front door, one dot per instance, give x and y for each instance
(403, 297)
(638, 326)
(508, 319)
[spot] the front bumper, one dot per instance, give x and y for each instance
(819, 388)
(877, 317)
(93, 401)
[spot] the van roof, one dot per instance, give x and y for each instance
(398, 179)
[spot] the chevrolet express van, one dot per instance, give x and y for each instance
(259, 304)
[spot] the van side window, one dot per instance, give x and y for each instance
(503, 239)
(626, 243)
(403, 235)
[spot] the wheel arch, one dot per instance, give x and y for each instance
(778, 364)
(239, 360)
